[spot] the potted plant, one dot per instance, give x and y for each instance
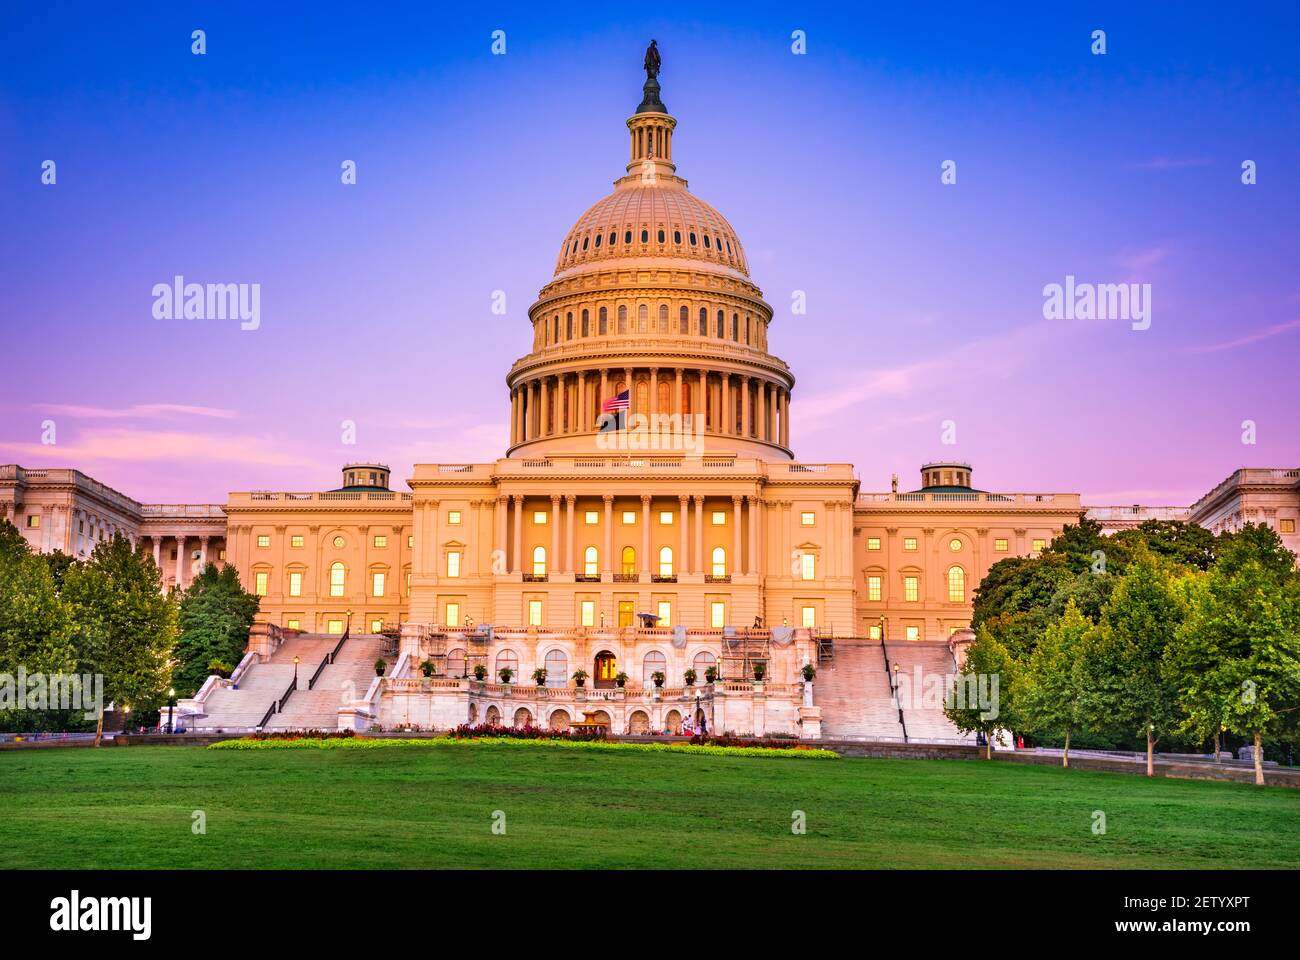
(380, 666)
(505, 673)
(658, 677)
(539, 676)
(760, 671)
(480, 672)
(809, 671)
(689, 675)
(621, 679)
(711, 674)
(426, 668)
(579, 678)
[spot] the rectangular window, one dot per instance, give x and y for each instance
(292, 624)
(717, 614)
(909, 543)
(376, 626)
(33, 521)
(874, 632)
(719, 518)
(807, 519)
(665, 518)
(453, 563)
(591, 518)
(453, 614)
(873, 543)
(539, 518)
(453, 518)
(377, 583)
(381, 540)
(1039, 544)
(260, 580)
(335, 627)
(263, 540)
(629, 518)
(665, 613)
(410, 541)
(296, 541)
(534, 613)
(1287, 525)
(873, 588)
(808, 567)
(589, 613)
(625, 614)
(221, 555)
(810, 616)
(1000, 544)
(914, 633)
(295, 583)
(911, 589)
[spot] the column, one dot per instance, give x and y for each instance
(606, 569)
(543, 408)
(699, 534)
(683, 565)
(724, 421)
(535, 409)
(735, 524)
(631, 395)
(760, 413)
(785, 418)
(604, 385)
(676, 406)
(568, 534)
(554, 564)
(503, 510)
(744, 393)
(753, 535)
(583, 406)
(203, 553)
(157, 550)
(771, 413)
(516, 561)
(180, 560)
(645, 535)
(654, 393)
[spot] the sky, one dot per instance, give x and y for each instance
(925, 313)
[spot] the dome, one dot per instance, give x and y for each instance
(652, 218)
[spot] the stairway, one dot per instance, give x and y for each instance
(918, 662)
(347, 678)
(854, 695)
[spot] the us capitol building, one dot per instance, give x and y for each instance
(649, 518)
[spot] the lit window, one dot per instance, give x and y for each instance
(453, 563)
(911, 589)
(539, 561)
(1287, 525)
(666, 561)
(873, 543)
(628, 561)
(719, 562)
(719, 518)
(808, 567)
(1039, 544)
(909, 543)
(296, 540)
(1000, 545)
(376, 626)
(381, 540)
(956, 585)
(591, 518)
(588, 620)
(590, 562)
(292, 624)
(335, 627)
(914, 633)
(260, 588)
(534, 613)
(377, 584)
(33, 521)
(453, 615)
(263, 540)
(717, 614)
(807, 519)
(809, 616)
(873, 588)
(453, 518)
(295, 584)
(539, 518)
(665, 613)
(410, 541)
(666, 519)
(221, 555)
(629, 517)
(338, 577)
(954, 545)
(339, 541)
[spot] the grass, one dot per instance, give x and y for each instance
(421, 807)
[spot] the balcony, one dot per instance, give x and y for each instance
(663, 578)
(586, 578)
(627, 578)
(535, 578)
(717, 578)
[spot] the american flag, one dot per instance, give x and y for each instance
(616, 403)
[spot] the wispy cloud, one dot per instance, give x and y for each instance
(139, 411)
(100, 446)
(1275, 330)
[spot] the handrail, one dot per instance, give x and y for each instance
(893, 690)
(266, 717)
(329, 658)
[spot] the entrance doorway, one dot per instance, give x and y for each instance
(606, 670)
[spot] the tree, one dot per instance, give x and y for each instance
(980, 699)
(214, 618)
(1187, 544)
(1053, 686)
(125, 627)
(1126, 677)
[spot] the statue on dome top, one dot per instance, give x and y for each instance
(652, 60)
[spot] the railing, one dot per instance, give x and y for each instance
(329, 658)
(722, 578)
(535, 578)
(893, 689)
(1064, 499)
(627, 578)
(267, 496)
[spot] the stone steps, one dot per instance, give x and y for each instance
(347, 678)
(854, 695)
(919, 662)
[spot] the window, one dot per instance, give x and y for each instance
(539, 561)
(703, 660)
(453, 563)
(913, 633)
(263, 540)
(810, 616)
(261, 578)
(665, 613)
(666, 518)
(629, 518)
(1000, 544)
(683, 317)
(629, 561)
(376, 626)
(33, 521)
(335, 627)
(622, 311)
(292, 624)
(508, 660)
(666, 561)
(453, 615)
(654, 662)
(625, 615)
(534, 613)
(661, 236)
(807, 519)
(663, 311)
(719, 518)
(539, 518)
(954, 545)
(873, 543)
(873, 588)
(873, 632)
(453, 518)
(557, 668)
(588, 620)
(296, 541)
(719, 562)
(338, 578)
(591, 518)
(956, 585)
(642, 315)
(1286, 525)
(410, 541)
(1039, 544)
(717, 614)
(591, 562)
(911, 589)
(377, 583)
(909, 543)
(295, 583)
(381, 540)
(339, 541)
(602, 323)
(807, 567)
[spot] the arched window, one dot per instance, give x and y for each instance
(338, 578)
(590, 562)
(645, 235)
(603, 321)
(622, 319)
(692, 238)
(557, 668)
(642, 318)
(627, 237)
(586, 323)
(568, 326)
(706, 241)
(655, 662)
(663, 318)
(722, 322)
(598, 236)
(555, 335)
(642, 397)
(677, 236)
(539, 561)
(508, 658)
(719, 562)
(747, 328)
(661, 236)
(956, 585)
(456, 662)
(665, 397)
(735, 327)
(629, 561)
(665, 561)
(704, 322)
(683, 320)
(613, 237)
(703, 660)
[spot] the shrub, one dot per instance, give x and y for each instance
(480, 672)
(658, 677)
(380, 666)
(621, 679)
(808, 671)
(426, 668)
(711, 674)
(506, 674)
(579, 677)
(689, 676)
(539, 676)
(468, 731)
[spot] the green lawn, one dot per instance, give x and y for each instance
(432, 807)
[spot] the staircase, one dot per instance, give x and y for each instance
(854, 695)
(347, 678)
(918, 662)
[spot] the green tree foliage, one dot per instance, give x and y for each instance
(215, 615)
(981, 697)
(1052, 689)
(1186, 544)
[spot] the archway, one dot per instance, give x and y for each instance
(638, 723)
(600, 716)
(493, 716)
(473, 713)
(559, 720)
(606, 669)
(673, 722)
(523, 717)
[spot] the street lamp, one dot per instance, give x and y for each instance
(349, 627)
(295, 673)
(171, 708)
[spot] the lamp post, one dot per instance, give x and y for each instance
(171, 708)
(295, 672)
(348, 629)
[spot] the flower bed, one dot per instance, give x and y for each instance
(470, 732)
(366, 743)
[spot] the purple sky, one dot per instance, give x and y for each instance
(924, 300)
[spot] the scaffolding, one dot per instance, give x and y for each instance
(743, 650)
